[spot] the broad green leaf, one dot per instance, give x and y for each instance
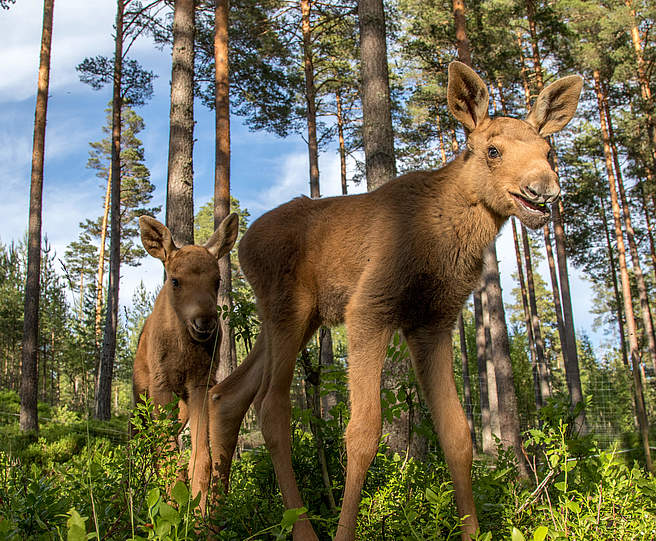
(517, 535)
(290, 516)
(540, 533)
(180, 493)
(153, 497)
(167, 512)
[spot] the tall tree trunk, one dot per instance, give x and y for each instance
(462, 42)
(106, 367)
(624, 276)
(377, 132)
(643, 78)
(101, 259)
(572, 372)
(486, 425)
(567, 333)
(180, 185)
(528, 319)
(616, 291)
(342, 146)
(310, 98)
(543, 369)
(630, 235)
(29, 420)
(492, 389)
(466, 385)
(313, 403)
(227, 361)
(325, 336)
(648, 221)
(508, 415)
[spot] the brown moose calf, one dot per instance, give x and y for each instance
(176, 348)
(405, 256)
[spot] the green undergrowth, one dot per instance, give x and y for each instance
(75, 482)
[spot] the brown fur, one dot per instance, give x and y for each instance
(405, 256)
(177, 344)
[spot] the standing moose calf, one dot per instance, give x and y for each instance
(405, 256)
(177, 345)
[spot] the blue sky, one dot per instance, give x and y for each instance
(265, 170)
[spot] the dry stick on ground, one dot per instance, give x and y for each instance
(363, 259)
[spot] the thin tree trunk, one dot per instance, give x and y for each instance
(545, 390)
(486, 425)
(492, 389)
(528, 320)
(646, 211)
(101, 259)
(29, 420)
(571, 359)
(616, 291)
(624, 276)
(310, 98)
(466, 385)
(313, 401)
(566, 325)
(227, 361)
(630, 234)
(438, 127)
(643, 78)
(180, 185)
(377, 132)
(508, 415)
(462, 42)
(106, 367)
(342, 146)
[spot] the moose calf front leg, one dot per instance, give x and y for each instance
(433, 363)
(199, 461)
(367, 353)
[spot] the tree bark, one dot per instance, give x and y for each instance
(528, 321)
(227, 361)
(630, 235)
(101, 259)
(624, 276)
(29, 420)
(103, 389)
(643, 78)
(466, 385)
(492, 389)
(310, 99)
(508, 415)
(377, 132)
(462, 42)
(342, 146)
(616, 291)
(180, 184)
(481, 358)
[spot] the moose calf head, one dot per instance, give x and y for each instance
(518, 179)
(192, 272)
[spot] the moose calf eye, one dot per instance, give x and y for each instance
(493, 153)
(175, 282)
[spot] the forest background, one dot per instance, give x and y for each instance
(516, 47)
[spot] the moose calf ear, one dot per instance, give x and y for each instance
(223, 239)
(156, 238)
(556, 105)
(467, 95)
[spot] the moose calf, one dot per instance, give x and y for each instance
(405, 256)
(177, 345)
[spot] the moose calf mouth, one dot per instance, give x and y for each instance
(201, 335)
(531, 206)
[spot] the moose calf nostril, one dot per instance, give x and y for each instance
(205, 323)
